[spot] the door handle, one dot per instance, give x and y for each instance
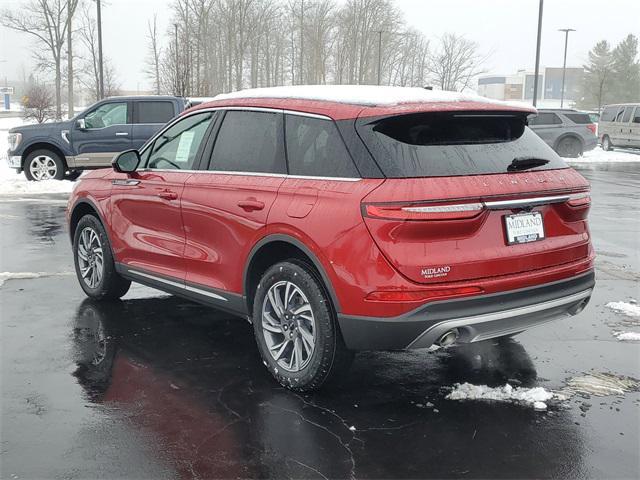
(122, 134)
(168, 195)
(249, 205)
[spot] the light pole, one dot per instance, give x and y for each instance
(537, 69)
(101, 69)
(564, 64)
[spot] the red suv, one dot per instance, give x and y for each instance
(343, 218)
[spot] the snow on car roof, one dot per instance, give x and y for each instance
(366, 95)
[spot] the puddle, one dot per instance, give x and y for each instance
(600, 384)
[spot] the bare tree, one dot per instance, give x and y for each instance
(37, 103)
(90, 77)
(154, 54)
(456, 62)
(48, 21)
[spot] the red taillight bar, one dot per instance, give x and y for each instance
(593, 127)
(458, 211)
(421, 295)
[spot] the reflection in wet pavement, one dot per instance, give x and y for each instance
(158, 387)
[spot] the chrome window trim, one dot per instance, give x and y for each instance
(253, 174)
(184, 286)
(532, 201)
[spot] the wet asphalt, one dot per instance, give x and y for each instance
(159, 387)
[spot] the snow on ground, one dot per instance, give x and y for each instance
(597, 155)
(535, 397)
(600, 384)
(4, 276)
(12, 183)
(627, 336)
(631, 309)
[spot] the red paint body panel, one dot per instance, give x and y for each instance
(220, 233)
(147, 226)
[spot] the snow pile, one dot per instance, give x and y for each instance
(627, 336)
(4, 276)
(536, 397)
(630, 309)
(12, 183)
(601, 384)
(357, 94)
(598, 155)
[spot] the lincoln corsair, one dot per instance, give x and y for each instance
(343, 218)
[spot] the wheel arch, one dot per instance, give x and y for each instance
(272, 249)
(82, 207)
(42, 145)
(564, 136)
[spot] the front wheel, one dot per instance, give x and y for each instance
(606, 144)
(93, 259)
(43, 165)
(296, 329)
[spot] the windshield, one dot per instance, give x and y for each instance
(452, 143)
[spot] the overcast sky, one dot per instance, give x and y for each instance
(505, 29)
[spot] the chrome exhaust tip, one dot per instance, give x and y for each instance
(448, 338)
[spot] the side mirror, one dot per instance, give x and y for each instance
(81, 124)
(126, 162)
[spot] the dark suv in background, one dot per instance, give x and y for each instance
(61, 150)
(569, 132)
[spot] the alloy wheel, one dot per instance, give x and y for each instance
(43, 167)
(288, 326)
(90, 257)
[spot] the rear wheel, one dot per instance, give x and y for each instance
(606, 143)
(296, 328)
(43, 165)
(569, 147)
(93, 259)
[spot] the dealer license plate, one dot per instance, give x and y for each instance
(524, 227)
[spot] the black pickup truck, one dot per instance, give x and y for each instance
(89, 140)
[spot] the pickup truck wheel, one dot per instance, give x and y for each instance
(93, 259)
(296, 329)
(43, 165)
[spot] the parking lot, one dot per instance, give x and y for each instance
(159, 387)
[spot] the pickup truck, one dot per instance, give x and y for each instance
(62, 150)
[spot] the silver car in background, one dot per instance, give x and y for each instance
(569, 132)
(620, 126)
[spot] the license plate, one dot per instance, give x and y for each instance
(524, 227)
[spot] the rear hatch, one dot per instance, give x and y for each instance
(471, 195)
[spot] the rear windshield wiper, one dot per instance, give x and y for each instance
(524, 163)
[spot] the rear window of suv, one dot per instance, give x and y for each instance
(579, 118)
(450, 144)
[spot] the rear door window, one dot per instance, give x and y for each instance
(249, 142)
(545, 118)
(627, 114)
(636, 116)
(449, 144)
(619, 115)
(315, 148)
(579, 118)
(153, 112)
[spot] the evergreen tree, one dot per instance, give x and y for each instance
(626, 67)
(598, 77)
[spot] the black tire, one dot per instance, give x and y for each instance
(330, 359)
(73, 175)
(109, 285)
(569, 147)
(606, 143)
(44, 155)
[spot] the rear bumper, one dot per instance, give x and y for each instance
(590, 143)
(475, 318)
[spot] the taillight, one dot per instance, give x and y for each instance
(593, 127)
(421, 295)
(580, 200)
(423, 212)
